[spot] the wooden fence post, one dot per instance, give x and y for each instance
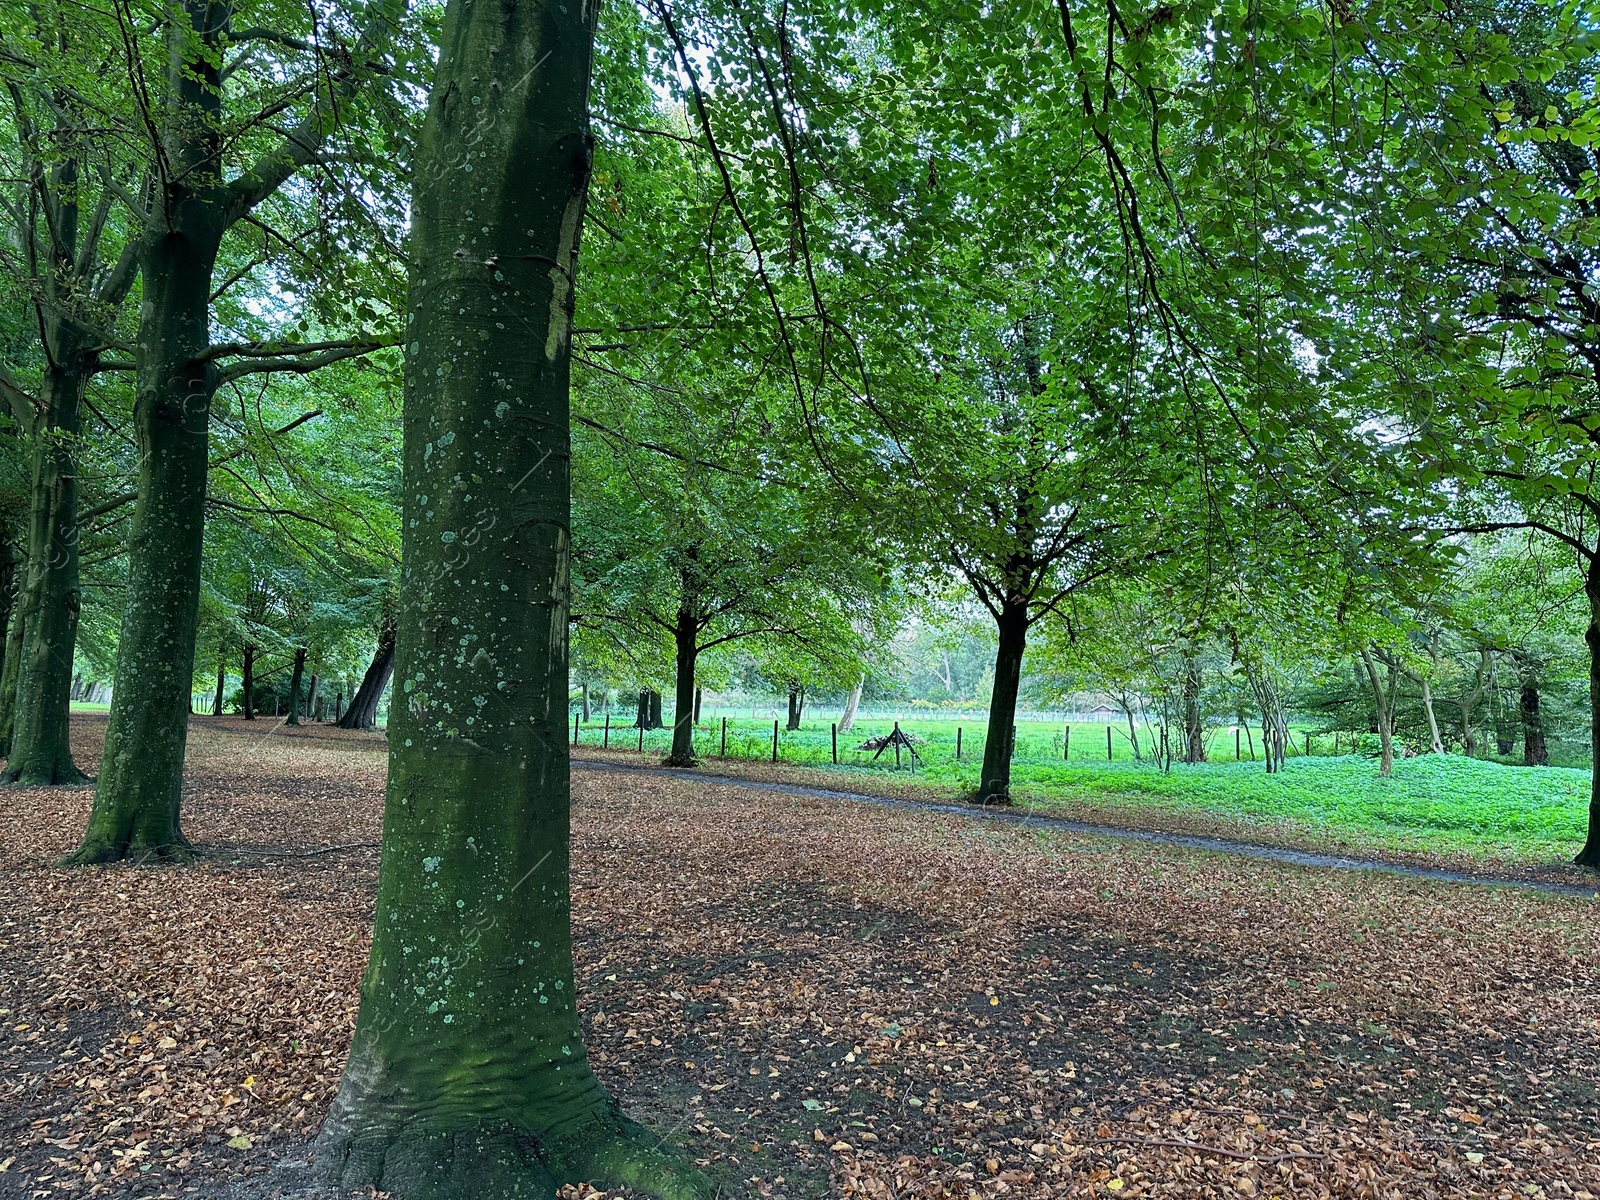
(834, 734)
(641, 738)
(958, 743)
(774, 741)
(1066, 744)
(1108, 743)
(724, 737)
(1236, 755)
(605, 743)
(575, 728)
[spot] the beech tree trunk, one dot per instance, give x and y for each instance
(222, 684)
(136, 805)
(796, 705)
(471, 959)
(686, 636)
(311, 699)
(141, 772)
(363, 710)
(851, 704)
(656, 719)
(247, 684)
(699, 694)
(40, 751)
(296, 677)
(10, 670)
(1534, 751)
(1383, 702)
(1194, 732)
(1435, 742)
(994, 786)
(1589, 856)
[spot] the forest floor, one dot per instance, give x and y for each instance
(813, 996)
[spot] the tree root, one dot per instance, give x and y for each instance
(476, 1159)
(99, 851)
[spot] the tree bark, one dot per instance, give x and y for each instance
(1534, 751)
(796, 702)
(699, 694)
(40, 751)
(222, 683)
(311, 698)
(1194, 731)
(1435, 742)
(685, 637)
(994, 786)
(1505, 737)
(656, 721)
(1589, 856)
(136, 807)
(11, 668)
(471, 960)
(363, 710)
(1383, 702)
(851, 704)
(247, 683)
(296, 677)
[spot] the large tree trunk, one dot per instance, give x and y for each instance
(363, 710)
(222, 683)
(686, 642)
(311, 699)
(796, 706)
(476, 824)
(1194, 730)
(994, 786)
(852, 702)
(141, 772)
(656, 721)
(40, 751)
(1589, 856)
(296, 677)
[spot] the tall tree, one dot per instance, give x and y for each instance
(467, 1073)
(183, 220)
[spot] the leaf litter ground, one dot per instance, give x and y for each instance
(811, 998)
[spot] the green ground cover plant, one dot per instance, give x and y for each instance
(1430, 804)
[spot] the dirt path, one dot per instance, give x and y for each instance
(815, 998)
(1187, 841)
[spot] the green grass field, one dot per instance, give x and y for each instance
(1431, 804)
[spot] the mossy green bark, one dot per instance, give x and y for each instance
(136, 804)
(467, 1074)
(39, 751)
